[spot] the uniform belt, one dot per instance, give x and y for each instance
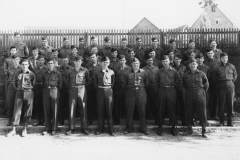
(167, 86)
(104, 86)
(51, 87)
(194, 88)
(10, 81)
(225, 81)
(38, 82)
(152, 84)
(135, 87)
(79, 86)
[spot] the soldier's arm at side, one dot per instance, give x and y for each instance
(113, 79)
(15, 80)
(184, 81)
(205, 81)
(95, 79)
(60, 81)
(5, 67)
(234, 74)
(177, 81)
(88, 79)
(26, 51)
(33, 79)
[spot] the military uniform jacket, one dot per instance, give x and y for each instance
(24, 81)
(205, 69)
(181, 69)
(52, 79)
(159, 52)
(136, 79)
(39, 71)
(11, 71)
(46, 52)
(105, 51)
(120, 73)
(211, 63)
(64, 50)
(80, 77)
(7, 64)
(22, 49)
(167, 77)
(83, 51)
(152, 73)
(225, 72)
(114, 63)
(104, 78)
(140, 53)
(65, 72)
(186, 54)
(32, 62)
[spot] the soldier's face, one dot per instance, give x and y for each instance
(139, 42)
(193, 66)
(150, 62)
(35, 53)
(177, 61)
(200, 60)
(171, 55)
(192, 45)
(173, 45)
(94, 50)
(224, 59)
(192, 55)
(65, 61)
(55, 54)
(45, 42)
(122, 61)
(78, 63)
(17, 38)
(94, 41)
(131, 54)
(50, 65)
(124, 43)
(66, 42)
(81, 42)
(213, 44)
(13, 51)
(105, 64)
(74, 51)
(155, 42)
(210, 54)
(135, 65)
(165, 63)
(108, 44)
(25, 65)
(114, 54)
(16, 61)
(41, 62)
(94, 58)
(152, 54)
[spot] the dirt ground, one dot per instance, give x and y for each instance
(219, 145)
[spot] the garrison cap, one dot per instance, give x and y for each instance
(192, 60)
(200, 55)
(40, 57)
(124, 39)
(77, 58)
(64, 38)
(164, 57)
(106, 39)
(135, 60)
(179, 56)
(154, 38)
(113, 49)
(138, 38)
(105, 58)
(91, 53)
(223, 54)
(212, 40)
(34, 48)
(54, 50)
(93, 37)
(50, 59)
(208, 50)
(44, 38)
(23, 59)
(148, 57)
(171, 40)
(12, 47)
(191, 40)
(73, 46)
(81, 39)
(150, 50)
(130, 50)
(14, 56)
(121, 57)
(16, 33)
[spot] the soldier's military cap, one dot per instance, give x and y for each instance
(130, 50)
(154, 38)
(64, 38)
(124, 39)
(150, 50)
(93, 37)
(191, 60)
(50, 59)
(135, 60)
(138, 38)
(113, 49)
(121, 57)
(223, 54)
(148, 57)
(212, 40)
(191, 40)
(179, 56)
(40, 57)
(16, 33)
(81, 39)
(208, 50)
(77, 58)
(64, 56)
(54, 50)
(34, 48)
(12, 47)
(44, 38)
(14, 56)
(105, 58)
(106, 39)
(91, 53)
(73, 46)
(200, 55)
(23, 60)
(164, 57)
(171, 40)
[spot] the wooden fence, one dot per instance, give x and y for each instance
(55, 37)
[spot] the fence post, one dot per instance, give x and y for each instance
(86, 38)
(162, 37)
(238, 38)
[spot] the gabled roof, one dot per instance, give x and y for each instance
(145, 19)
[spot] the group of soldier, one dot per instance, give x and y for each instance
(53, 83)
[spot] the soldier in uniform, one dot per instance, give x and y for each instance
(158, 50)
(11, 90)
(106, 49)
(65, 70)
(181, 69)
(152, 89)
(211, 62)
(123, 50)
(46, 50)
(172, 48)
(168, 80)
(135, 82)
(191, 48)
(83, 51)
(23, 83)
(38, 91)
(131, 56)
(103, 82)
(52, 83)
(139, 50)
(225, 75)
(74, 54)
(114, 61)
(171, 56)
(78, 79)
(119, 108)
(196, 84)
(65, 49)
(94, 43)
(152, 53)
(191, 55)
(217, 52)
(22, 48)
(57, 61)
(33, 59)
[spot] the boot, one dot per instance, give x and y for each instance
(174, 132)
(204, 133)
(221, 122)
(190, 130)
(229, 123)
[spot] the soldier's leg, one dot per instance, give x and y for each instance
(161, 105)
(100, 106)
(17, 108)
(200, 103)
(6, 93)
(82, 102)
(47, 109)
(229, 100)
(38, 105)
(141, 101)
(171, 105)
(130, 105)
(222, 91)
(154, 110)
(108, 105)
(189, 106)
(54, 96)
(117, 104)
(11, 100)
(28, 106)
(63, 105)
(181, 105)
(72, 107)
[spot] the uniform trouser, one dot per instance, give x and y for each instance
(136, 97)
(119, 108)
(226, 90)
(91, 100)
(10, 100)
(38, 102)
(196, 98)
(24, 100)
(105, 104)
(63, 104)
(50, 105)
(167, 99)
(152, 101)
(212, 102)
(180, 103)
(6, 93)
(78, 97)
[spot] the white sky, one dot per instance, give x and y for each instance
(110, 14)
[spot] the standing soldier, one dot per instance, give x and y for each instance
(168, 81)
(11, 90)
(191, 55)
(65, 49)
(131, 56)
(196, 84)
(46, 50)
(152, 89)
(211, 62)
(114, 61)
(158, 50)
(78, 79)
(119, 108)
(23, 83)
(94, 43)
(136, 82)
(181, 69)
(52, 83)
(57, 61)
(103, 81)
(74, 53)
(65, 70)
(225, 75)
(33, 59)
(106, 49)
(83, 51)
(123, 50)
(22, 48)
(139, 50)
(217, 52)
(156, 62)
(38, 91)
(172, 48)
(191, 48)
(171, 56)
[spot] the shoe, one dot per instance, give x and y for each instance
(24, 133)
(190, 131)
(38, 123)
(97, 133)
(84, 131)
(203, 133)
(9, 123)
(127, 132)
(174, 132)
(112, 133)
(145, 132)
(45, 133)
(221, 123)
(54, 133)
(160, 132)
(11, 133)
(229, 124)
(69, 132)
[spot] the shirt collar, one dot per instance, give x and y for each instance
(53, 71)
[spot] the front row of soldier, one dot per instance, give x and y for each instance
(125, 87)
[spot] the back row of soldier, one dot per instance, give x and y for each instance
(112, 80)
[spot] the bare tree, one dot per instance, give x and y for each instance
(205, 3)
